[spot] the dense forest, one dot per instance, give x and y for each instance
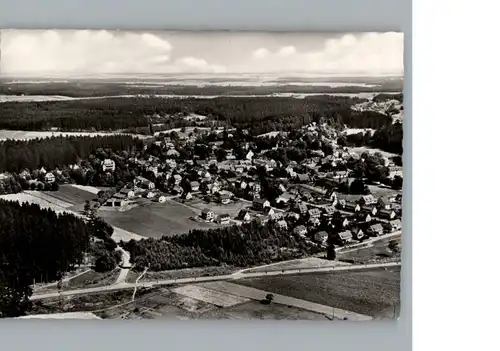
(258, 114)
(36, 245)
(16, 155)
(249, 244)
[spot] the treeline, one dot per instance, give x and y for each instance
(16, 155)
(96, 88)
(245, 245)
(384, 97)
(387, 138)
(259, 114)
(35, 245)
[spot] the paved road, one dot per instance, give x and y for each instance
(124, 265)
(234, 276)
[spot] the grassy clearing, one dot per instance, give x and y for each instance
(181, 273)
(232, 209)
(376, 252)
(375, 293)
(155, 220)
(93, 279)
(311, 262)
(71, 194)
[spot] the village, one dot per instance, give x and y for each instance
(308, 199)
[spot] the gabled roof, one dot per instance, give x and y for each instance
(345, 235)
(206, 210)
(259, 201)
(314, 210)
(376, 227)
(300, 228)
(321, 234)
(351, 205)
(396, 222)
(330, 209)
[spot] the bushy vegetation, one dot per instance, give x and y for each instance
(245, 245)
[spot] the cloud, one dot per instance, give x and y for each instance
(75, 52)
(368, 53)
(82, 51)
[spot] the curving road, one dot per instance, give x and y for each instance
(234, 276)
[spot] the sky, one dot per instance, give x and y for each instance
(68, 53)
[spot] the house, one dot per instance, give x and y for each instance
(260, 204)
(144, 183)
(108, 165)
(352, 207)
(315, 221)
(161, 199)
(269, 211)
(282, 224)
(358, 233)
(275, 215)
(384, 204)
(224, 218)
(293, 216)
(328, 211)
(150, 195)
(177, 190)
(303, 178)
(363, 217)
(321, 237)
(345, 236)
(301, 208)
(300, 230)
(367, 200)
(195, 186)
(25, 174)
(244, 215)
(177, 179)
(314, 213)
(395, 224)
(341, 175)
(375, 229)
(332, 196)
(126, 192)
(50, 177)
(207, 214)
(225, 199)
(249, 155)
(372, 210)
(386, 214)
(282, 188)
(255, 187)
(173, 153)
(188, 196)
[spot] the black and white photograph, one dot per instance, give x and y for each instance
(193, 175)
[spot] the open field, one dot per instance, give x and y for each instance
(69, 315)
(35, 197)
(155, 220)
(231, 209)
(375, 293)
(71, 194)
(181, 273)
(87, 188)
(213, 297)
(376, 252)
(304, 263)
(93, 279)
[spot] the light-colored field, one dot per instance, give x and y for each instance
(231, 209)
(87, 188)
(120, 234)
(304, 263)
(154, 220)
(361, 149)
(350, 131)
(40, 201)
(213, 297)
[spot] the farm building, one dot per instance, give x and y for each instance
(224, 218)
(321, 237)
(282, 224)
(50, 177)
(207, 214)
(345, 236)
(300, 230)
(387, 214)
(244, 215)
(108, 165)
(260, 204)
(375, 229)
